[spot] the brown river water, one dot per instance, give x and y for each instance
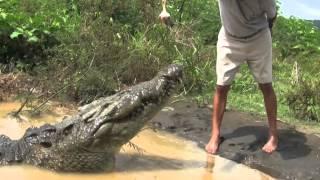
(163, 156)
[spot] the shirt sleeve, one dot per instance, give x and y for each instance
(270, 8)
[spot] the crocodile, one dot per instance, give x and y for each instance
(89, 140)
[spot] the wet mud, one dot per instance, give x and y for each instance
(298, 155)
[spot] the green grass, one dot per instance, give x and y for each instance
(254, 103)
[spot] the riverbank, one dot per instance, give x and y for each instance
(13, 84)
(298, 155)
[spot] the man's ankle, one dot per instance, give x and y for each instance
(273, 133)
(215, 135)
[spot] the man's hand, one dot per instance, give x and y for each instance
(271, 22)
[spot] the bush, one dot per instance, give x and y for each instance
(304, 100)
(123, 43)
(28, 28)
(294, 37)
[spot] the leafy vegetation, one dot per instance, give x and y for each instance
(29, 27)
(84, 49)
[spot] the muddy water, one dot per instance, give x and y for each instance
(160, 156)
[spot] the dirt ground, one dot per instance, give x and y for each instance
(12, 84)
(296, 158)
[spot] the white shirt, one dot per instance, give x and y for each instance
(244, 18)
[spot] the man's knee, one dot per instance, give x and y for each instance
(266, 88)
(222, 88)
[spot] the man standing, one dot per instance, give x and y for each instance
(245, 36)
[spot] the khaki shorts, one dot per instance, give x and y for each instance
(255, 51)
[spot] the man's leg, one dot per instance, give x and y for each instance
(270, 102)
(219, 106)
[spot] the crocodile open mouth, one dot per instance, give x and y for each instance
(102, 129)
(147, 106)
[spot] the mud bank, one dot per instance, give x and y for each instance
(298, 155)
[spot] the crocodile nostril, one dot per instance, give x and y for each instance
(46, 144)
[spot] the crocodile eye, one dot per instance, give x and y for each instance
(48, 128)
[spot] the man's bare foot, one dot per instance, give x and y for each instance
(213, 146)
(271, 145)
